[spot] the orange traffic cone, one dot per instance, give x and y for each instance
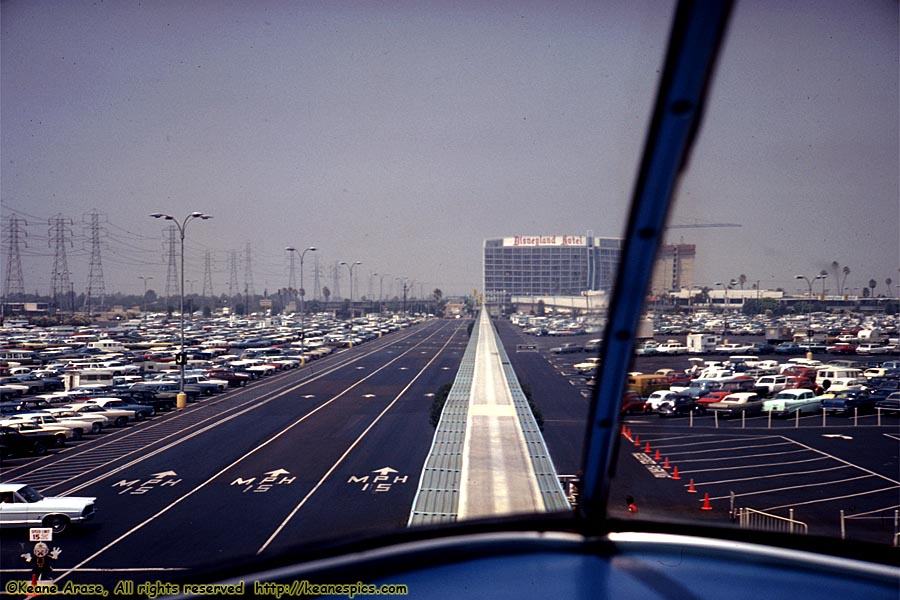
(647, 447)
(706, 505)
(691, 488)
(675, 474)
(657, 455)
(666, 464)
(624, 430)
(637, 441)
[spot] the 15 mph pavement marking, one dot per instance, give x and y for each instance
(349, 449)
(231, 465)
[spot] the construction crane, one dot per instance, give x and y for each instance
(697, 225)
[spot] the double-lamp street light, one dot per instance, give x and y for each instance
(809, 282)
(181, 360)
(302, 293)
(350, 267)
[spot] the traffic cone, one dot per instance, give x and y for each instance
(647, 447)
(706, 505)
(666, 464)
(624, 430)
(691, 488)
(637, 441)
(657, 455)
(675, 474)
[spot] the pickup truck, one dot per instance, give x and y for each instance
(738, 404)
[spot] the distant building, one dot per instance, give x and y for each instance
(673, 269)
(548, 265)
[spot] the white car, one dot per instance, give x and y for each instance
(655, 399)
(790, 402)
(119, 417)
(95, 423)
(45, 420)
(23, 506)
(588, 366)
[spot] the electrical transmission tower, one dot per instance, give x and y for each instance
(232, 269)
(14, 284)
(317, 287)
(207, 276)
(95, 287)
(60, 227)
(172, 271)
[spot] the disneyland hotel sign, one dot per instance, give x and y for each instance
(545, 240)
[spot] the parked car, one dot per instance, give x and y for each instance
(142, 411)
(790, 402)
(23, 506)
(789, 348)
(632, 403)
(15, 443)
(871, 348)
(656, 399)
(847, 402)
(841, 348)
(772, 383)
(588, 366)
(889, 405)
(738, 404)
(671, 347)
(566, 349)
(680, 405)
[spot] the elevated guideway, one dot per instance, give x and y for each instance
(488, 457)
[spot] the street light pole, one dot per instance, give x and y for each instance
(302, 294)
(350, 267)
(809, 332)
(725, 310)
(144, 300)
(181, 402)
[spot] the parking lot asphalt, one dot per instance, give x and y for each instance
(816, 467)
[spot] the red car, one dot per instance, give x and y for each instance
(841, 348)
(631, 403)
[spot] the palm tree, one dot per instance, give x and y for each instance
(888, 283)
(846, 271)
(872, 284)
(835, 267)
(742, 279)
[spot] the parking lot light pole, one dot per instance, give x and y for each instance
(725, 310)
(181, 401)
(302, 292)
(809, 331)
(350, 267)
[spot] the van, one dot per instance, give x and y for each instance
(826, 375)
(645, 385)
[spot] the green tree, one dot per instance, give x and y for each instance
(326, 293)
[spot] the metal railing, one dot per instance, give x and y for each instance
(749, 518)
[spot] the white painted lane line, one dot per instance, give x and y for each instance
(833, 498)
(740, 456)
(349, 449)
(773, 476)
(778, 464)
(818, 484)
(226, 469)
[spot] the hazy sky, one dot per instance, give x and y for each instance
(402, 134)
